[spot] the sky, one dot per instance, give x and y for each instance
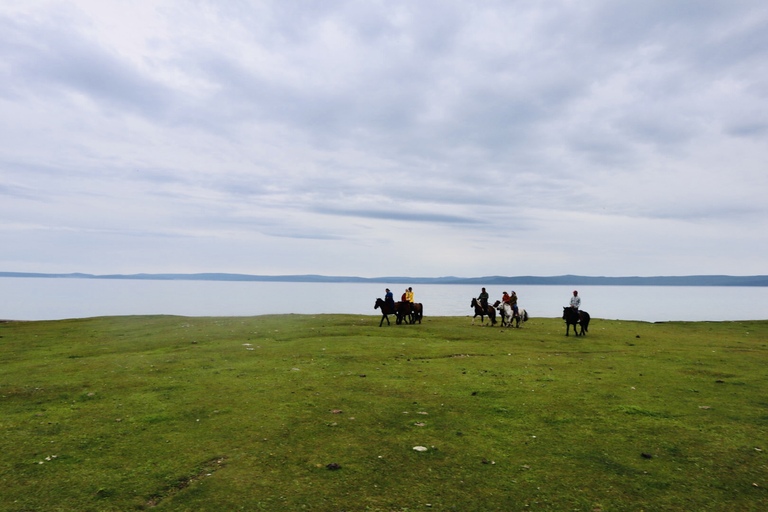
(418, 138)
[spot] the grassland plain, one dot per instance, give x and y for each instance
(295, 412)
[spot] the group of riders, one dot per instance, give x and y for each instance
(507, 307)
(405, 308)
(508, 300)
(389, 298)
(511, 299)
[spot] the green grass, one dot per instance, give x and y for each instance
(177, 413)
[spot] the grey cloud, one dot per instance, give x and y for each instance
(48, 59)
(401, 216)
(749, 129)
(327, 125)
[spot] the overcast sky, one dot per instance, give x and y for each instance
(379, 138)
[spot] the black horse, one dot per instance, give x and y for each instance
(483, 312)
(576, 318)
(386, 310)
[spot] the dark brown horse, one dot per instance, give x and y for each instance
(404, 312)
(575, 318)
(386, 310)
(483, 312)
(417, 312)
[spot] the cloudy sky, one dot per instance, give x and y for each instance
(378, 138)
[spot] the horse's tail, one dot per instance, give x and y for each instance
(525, 316)
(583, 320)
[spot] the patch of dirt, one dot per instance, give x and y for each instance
(207, 469)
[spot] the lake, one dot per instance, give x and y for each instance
(60, 298)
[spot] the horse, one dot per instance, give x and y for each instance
(403, 311)
(386, 310)
(418, 312)
(489, 312)
(575, 318)
(508, 316)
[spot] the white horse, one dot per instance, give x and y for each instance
(508, 314)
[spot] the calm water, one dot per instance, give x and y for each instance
(53, 299)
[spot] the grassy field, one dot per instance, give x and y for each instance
(322, 413)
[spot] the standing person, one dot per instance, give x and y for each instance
(409, 295)
(483, 298)
(389, 299)
(513, 303)
(575, 300)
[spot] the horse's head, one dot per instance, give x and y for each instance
(473, 303)
(378, 304)
(496, 304)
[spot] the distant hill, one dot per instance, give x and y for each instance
(698, 280)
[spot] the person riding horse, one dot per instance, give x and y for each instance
(389, 299)
(513, 303)
(483, 298)
(576, 300)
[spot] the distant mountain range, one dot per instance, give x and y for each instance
(700, 280)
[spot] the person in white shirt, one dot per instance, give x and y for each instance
(575, 300)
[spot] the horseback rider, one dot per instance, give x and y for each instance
(409, 295)
(575, 301)
(483, 299)
(513, 303)
(389, 299)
